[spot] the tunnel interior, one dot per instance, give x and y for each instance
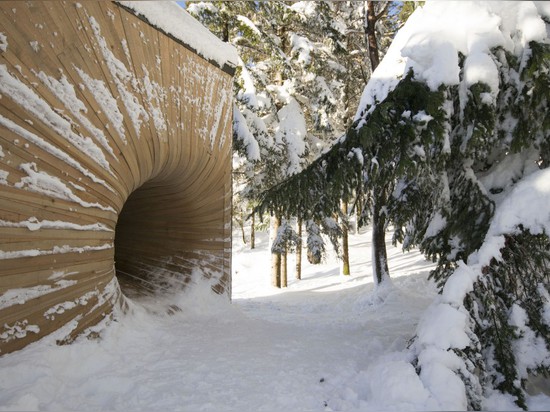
(146, 260)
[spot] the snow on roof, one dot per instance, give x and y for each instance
(433, 36)
(173, 20)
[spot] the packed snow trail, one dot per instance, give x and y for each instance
(325, 343)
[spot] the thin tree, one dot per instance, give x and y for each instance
(380, 196)
(275, 254)
(253, 232)
(345, 240)
(299, 225)
(284, 268)
(371, 18)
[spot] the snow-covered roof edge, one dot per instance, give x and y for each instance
(176, 23)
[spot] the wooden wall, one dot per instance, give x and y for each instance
(111, 133)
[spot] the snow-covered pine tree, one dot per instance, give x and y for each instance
(494, 132)
(447, 132)
(315, 243)
(510, 298)
(290, 55)
(286, 241)
(447, 206)
(489, 131)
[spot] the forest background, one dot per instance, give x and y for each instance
(451, 154)
(303, 67)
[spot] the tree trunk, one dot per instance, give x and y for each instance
(358, 208)
(380, 271)
(345, 243)
(284, 269)
(275, 257)
(299, 251)
(253, 232)
(370, 34)
(225, 31)
(241, 225)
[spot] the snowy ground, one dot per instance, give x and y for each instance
(325, 343)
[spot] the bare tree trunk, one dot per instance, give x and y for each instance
(348, 118)
(370, 31)
(284, 269)
(253, 232)
(380, 271)
(345, 241)
(275, 257)
(299, 251)
(241, 225)
(225, 31)
(370, 34)
(358, 207)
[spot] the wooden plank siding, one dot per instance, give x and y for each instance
(115, 164)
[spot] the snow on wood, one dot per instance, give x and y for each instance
(122, 76)
(51, 186)
(106, 101)
(20, 92)
(66, 93)
(20, 296)
(115, 144)
(22, 253)
(50, 148)
(3, 42)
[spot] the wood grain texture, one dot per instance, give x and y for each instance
(115, 167)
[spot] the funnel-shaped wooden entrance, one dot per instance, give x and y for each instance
(112, 132)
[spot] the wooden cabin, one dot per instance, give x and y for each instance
(115, 161)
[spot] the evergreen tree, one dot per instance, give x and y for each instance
(438, 159)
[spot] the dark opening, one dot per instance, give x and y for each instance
(144, 251)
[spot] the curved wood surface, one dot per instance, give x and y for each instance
(115, 144)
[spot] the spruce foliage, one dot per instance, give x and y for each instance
(508, 306)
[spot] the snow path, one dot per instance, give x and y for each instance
(319, 345)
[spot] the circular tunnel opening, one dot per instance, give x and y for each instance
(148, 245)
